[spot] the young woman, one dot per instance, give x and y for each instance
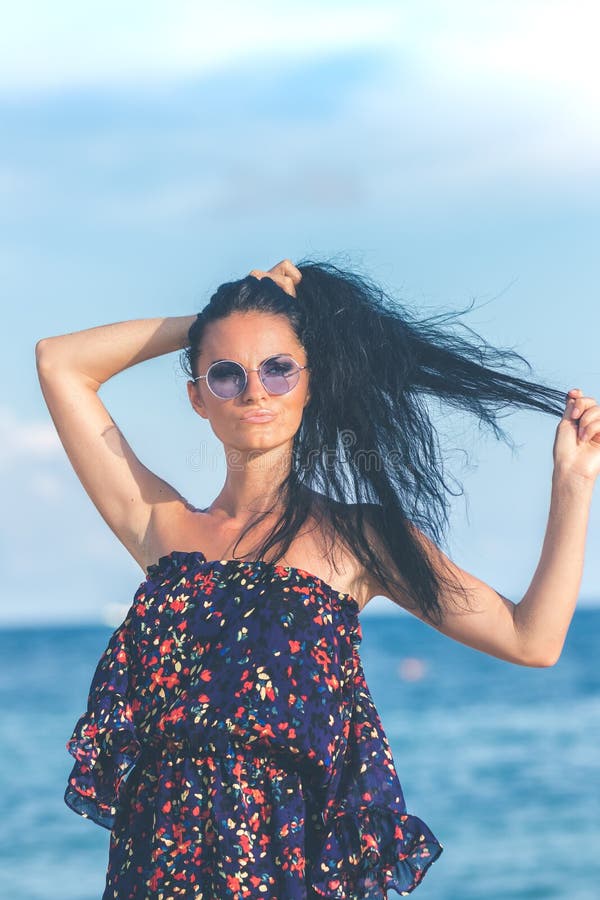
(230, 742)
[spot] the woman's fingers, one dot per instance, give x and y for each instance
(285, 274)
(571, 403)
(580, 405)
(589, 424)
(287, 268)
(584, 415)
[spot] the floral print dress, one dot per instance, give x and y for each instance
(232, 746)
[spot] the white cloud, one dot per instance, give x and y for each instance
(533, 45)
(549, 46)
(49, 46)
(470, 97)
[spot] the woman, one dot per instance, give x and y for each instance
(230, 743)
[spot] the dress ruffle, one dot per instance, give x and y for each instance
(370, 842)
(369, 851)
(104, 742)
(174, 563)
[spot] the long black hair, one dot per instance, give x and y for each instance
(367, 445)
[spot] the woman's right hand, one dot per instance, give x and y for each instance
(285, 274)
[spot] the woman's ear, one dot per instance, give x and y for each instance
(196, 399)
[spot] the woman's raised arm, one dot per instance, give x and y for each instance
(71, 368)
(532, 632)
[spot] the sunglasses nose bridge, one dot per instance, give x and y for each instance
(248, 374)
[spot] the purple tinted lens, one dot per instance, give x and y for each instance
(279, 374)
(226, 379)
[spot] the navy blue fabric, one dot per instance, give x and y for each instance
(232, 746)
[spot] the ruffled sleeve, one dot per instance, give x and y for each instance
(369, 843)
(104, 742)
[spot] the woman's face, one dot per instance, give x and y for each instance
(249, 338)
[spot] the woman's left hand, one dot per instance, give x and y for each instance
(577, 443)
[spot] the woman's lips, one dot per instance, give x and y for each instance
(259, 417)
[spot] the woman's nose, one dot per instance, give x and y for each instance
(254, 386)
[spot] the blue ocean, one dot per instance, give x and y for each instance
(501, 761)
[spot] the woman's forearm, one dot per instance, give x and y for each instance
(101, 352)
(543, 616)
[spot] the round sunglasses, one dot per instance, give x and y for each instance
(227, 379)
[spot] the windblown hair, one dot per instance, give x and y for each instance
(367, 446)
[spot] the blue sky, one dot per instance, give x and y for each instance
(151, 151)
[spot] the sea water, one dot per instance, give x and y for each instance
(501, 761)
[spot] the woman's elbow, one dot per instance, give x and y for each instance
(543, 659)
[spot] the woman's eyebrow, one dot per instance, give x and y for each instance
(270, 356)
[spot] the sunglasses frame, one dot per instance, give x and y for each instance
(245, 371)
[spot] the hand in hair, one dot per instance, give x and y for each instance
(285, 274)
(577, 443)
